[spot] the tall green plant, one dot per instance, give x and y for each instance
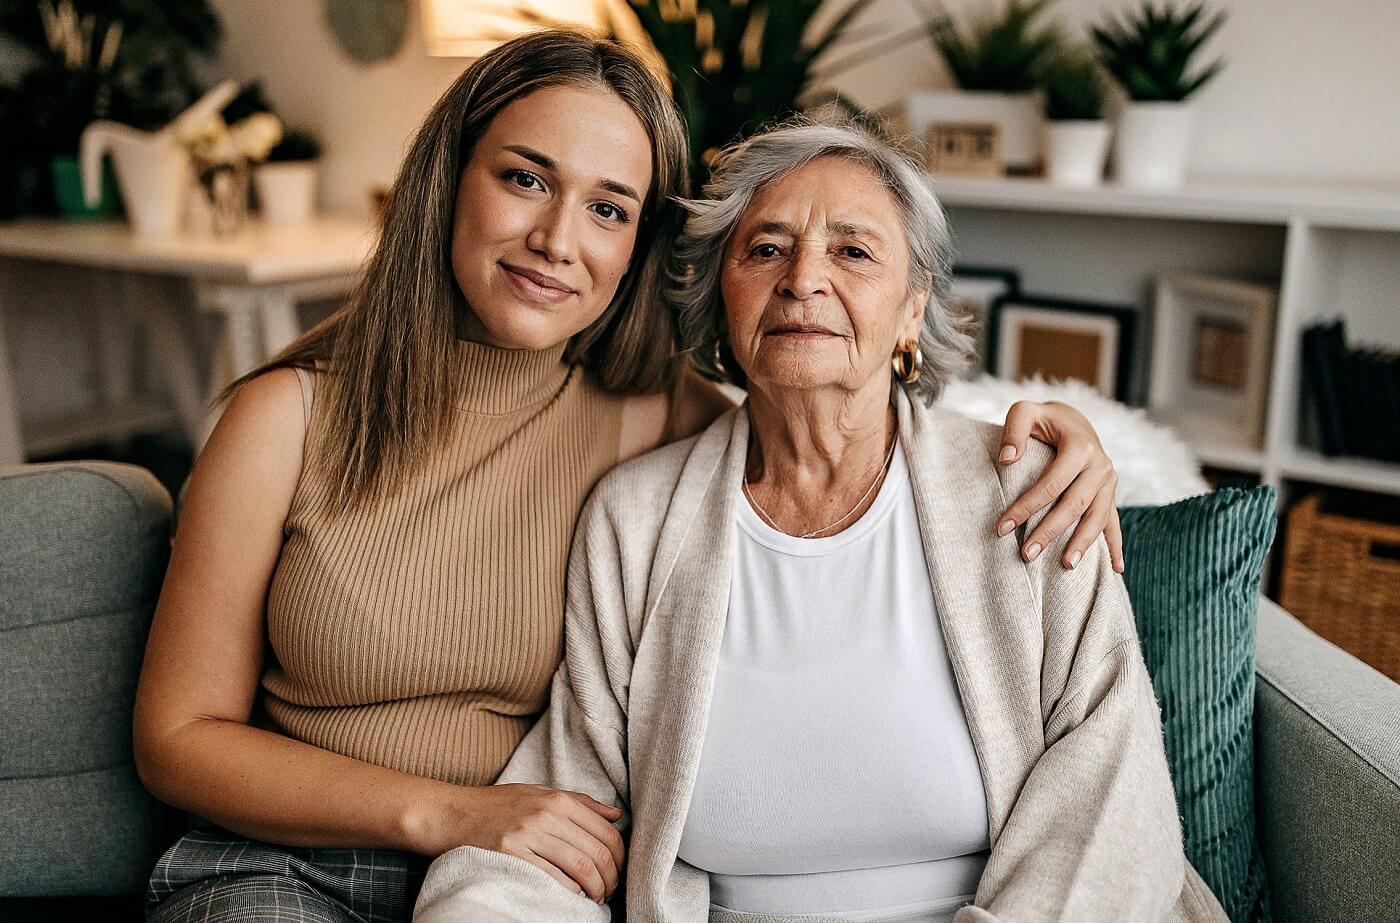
(1006, 53)
(162, 44)
(1150, 52)
(735, 66)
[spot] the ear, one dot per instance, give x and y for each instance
(914, 305)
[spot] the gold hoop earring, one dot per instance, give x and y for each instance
(907, 361)
(718, 361)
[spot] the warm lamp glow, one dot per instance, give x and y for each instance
(470, 28)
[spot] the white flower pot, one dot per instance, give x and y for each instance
(1020, 116)
(1153, 141)
(1075, 151)
(286, 191)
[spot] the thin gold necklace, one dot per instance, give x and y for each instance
(758, 508)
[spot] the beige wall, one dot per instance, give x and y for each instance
(1312, 88)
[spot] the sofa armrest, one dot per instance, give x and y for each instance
(1327, 777)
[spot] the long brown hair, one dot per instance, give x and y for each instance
(388, 396)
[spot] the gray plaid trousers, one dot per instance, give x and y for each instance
(213, 876)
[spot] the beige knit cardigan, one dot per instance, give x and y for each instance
(1083, 821)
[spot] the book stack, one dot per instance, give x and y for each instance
(1355, 393)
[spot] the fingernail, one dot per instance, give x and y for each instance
(1032, 551)
(1007, 453)
(1074, 558)
(1006, 526)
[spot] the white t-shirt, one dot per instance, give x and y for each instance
(838, 775)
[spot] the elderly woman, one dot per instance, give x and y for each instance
(811, 689)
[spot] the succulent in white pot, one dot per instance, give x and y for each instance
(997, 63)
(1150, 54)
(1076, 134)
(286, 183)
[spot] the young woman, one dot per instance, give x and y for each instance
(363, 609)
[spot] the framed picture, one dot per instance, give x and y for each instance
(1212, 339)
(1059, 339)
(964, 149)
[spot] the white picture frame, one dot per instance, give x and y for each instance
(1212, 342)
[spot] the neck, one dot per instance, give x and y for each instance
(812, 456)
(805, 434)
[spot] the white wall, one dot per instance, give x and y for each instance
(1311, 90)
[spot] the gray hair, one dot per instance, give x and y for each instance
(741, 169)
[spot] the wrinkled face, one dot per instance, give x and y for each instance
(546, 216)
(815, 281)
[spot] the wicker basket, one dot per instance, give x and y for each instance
(1341, 578)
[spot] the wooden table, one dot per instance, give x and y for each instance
(252, 280)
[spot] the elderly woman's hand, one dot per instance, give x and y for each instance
(1080, 482)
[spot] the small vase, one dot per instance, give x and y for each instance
(1154, 139)
(68, 191)
(226, 187)
(286, 191)
(1075, 152)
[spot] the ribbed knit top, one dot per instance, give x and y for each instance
(421, 632)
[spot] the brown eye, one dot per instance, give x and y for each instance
(523, 179)
(764, 251)
(854, 253)
(610, 212)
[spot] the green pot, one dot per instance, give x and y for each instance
(68, 190)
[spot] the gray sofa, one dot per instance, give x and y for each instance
(82, 550)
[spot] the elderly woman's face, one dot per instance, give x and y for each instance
(816, 280)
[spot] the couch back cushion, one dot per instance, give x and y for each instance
(85, 547)
(1193, 577)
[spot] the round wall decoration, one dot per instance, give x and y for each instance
(368, 30)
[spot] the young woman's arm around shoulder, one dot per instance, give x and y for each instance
(195, 748)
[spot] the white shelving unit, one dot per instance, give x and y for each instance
(1330, 250)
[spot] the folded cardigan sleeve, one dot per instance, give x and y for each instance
(1094, 833)
(578, 744)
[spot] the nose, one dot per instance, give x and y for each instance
(805, 275)
(553, 235)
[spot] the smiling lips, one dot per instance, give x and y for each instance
(536, 286)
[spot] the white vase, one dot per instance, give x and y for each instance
(1075, 151)
(286, 191)
(1019, 116)
(1153, 141)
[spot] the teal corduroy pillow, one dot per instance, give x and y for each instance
(1193, 577)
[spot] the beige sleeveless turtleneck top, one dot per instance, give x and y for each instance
(421, 632)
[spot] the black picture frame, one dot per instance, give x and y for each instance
(1124, 316)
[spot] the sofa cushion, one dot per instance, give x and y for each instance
(85, 551)
(1193, 577)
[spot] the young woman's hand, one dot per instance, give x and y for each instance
(1081, 482)
(567, 834)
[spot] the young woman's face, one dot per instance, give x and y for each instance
(547, 214)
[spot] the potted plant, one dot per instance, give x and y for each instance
(286, 183)
(997, 64)
(1076, 134)
(80, 61)
(1150, 54)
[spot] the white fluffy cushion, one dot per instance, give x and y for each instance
(1154, 466)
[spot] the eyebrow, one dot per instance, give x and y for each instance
(840, 227)
(548, 163)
